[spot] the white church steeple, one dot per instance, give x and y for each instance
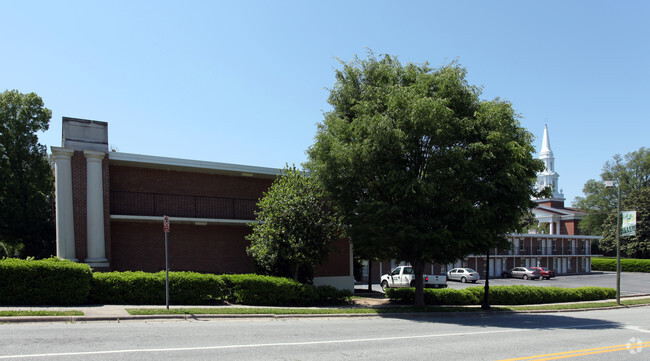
(548, 177)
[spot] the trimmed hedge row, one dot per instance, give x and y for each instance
(51, 281)
(61, 282)
(627, 264)
(502, 295)
(142, 288)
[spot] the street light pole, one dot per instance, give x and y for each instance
(610, 184)
(618, 248)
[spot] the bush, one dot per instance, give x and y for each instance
(502, 295)
(439, 296)
(627, 264)
(142, 288)
(256, 290)
(51, 281)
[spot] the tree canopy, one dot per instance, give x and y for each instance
(26, 180)
(637, 246)
(296, 227)
(419, 167)
(631, 172)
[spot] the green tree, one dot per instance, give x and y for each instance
(637, 246)
(420, 169)
(26, 180)
(296, 227)
(631, 172)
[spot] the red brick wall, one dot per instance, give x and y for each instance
(134, 179)
(210, 249)
(338, 263)
(570, 227)
(79, 204)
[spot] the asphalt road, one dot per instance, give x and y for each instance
(603, 334)
(631, 283)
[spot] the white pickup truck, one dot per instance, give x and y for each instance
(404, 276)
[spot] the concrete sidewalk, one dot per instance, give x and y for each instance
(117, 313)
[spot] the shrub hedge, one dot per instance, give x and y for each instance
(627, 264)
(440, 296)
(142, 288)
(51, 281)
(189, 288)
(502, 295)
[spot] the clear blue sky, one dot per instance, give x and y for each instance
(246, 81)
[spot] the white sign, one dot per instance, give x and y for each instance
(628, 226)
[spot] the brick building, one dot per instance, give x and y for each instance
(109, 209)
(559, 247)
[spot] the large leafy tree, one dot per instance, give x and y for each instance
(295, 229)
(637, 246)
(631, 172)
(26, 180)
(419, 167)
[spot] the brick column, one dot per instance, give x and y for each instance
(63, 192)
(95, 209)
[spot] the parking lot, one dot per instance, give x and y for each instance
(631, 283)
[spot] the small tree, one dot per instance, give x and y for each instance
(630, 172)
(26, 180)
(637, 246)
(295, 229)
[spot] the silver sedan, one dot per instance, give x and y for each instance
(463, 275)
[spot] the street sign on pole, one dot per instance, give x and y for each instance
(166, 230)
(166, 224)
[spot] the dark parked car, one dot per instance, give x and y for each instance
(522, 272)
(544, 272)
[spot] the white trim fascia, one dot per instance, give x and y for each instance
(557, 236)
(183, 220)
(149, 161)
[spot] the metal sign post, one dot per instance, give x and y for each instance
(166, 229)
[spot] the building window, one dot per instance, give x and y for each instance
(554, 245)
(539, 245)
(584, 262)
(521, 245)
(582, 246)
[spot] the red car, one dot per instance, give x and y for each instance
(544, 272)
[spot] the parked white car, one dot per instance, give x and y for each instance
(463, 275)
(404, 276)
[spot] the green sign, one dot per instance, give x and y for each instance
(628, 227)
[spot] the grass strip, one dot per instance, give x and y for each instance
(575, 306)
(370, 311)
(40, 313)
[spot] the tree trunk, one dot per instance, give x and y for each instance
(369, 275)
(486, 303)
(418, 267)
(295, 272)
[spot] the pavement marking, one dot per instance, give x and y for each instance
(584, 352)
(203, 348)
